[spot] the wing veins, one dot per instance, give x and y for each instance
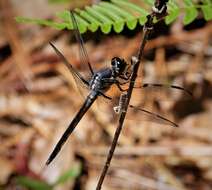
(83, 52)
(155, 115)
(146, 85)
(69, 66)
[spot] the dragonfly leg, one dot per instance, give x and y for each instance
(105, 96)
(114, 81)
(125, 78)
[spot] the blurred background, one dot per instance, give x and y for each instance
(39, 98)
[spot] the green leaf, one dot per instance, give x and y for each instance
(105, 18)
(106, 22)
(209, 2)
(65, 16)
(118, 22)
(118, 27)
(93, 22)
(131, 21)
(190, 12)
(33, 184)
(190, 15)
(150, 2)
(119, 13)
(58, 1)
(207, 11)
(131, 6)
(173, 12)
(70, 174)
(43, 22)
(172, 16)
(82, 24)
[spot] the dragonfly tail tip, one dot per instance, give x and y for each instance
(51, 44)
(48, 162)
(176, 125)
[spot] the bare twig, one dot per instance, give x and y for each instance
(158, 11)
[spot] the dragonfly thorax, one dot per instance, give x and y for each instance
(98, 80)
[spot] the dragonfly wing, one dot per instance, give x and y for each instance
(81, 83)
(84, 59)
(160, 92)
(72, 70)
(137, 113)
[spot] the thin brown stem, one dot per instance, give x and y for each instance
(123, 113)
(159, 11)
(159, 5)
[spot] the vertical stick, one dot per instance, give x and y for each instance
(136, 63)
(159, 10)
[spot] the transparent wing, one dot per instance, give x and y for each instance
(81, 83)
(160, 92)
(84, 59)
(73, 71)
(140, 114)
(144, 92)
(145, 115)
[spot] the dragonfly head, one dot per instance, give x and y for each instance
(118, 66)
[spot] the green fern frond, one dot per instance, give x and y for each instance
(191, 12)
(207, 9)
(173, 11)
(118, 13)
(58, 1)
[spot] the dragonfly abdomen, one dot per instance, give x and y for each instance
(87, 104)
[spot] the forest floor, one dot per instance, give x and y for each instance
(39, 98)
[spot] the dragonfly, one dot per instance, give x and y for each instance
(99, 83)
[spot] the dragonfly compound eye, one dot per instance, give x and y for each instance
(118, 65)
(115, 61)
